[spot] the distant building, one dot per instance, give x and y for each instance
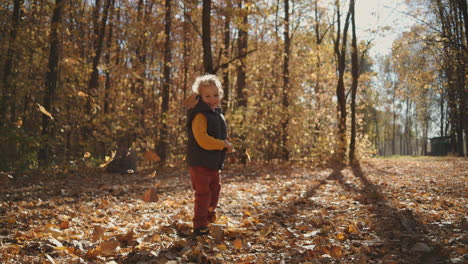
(440, 146)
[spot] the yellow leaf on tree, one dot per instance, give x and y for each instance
(44, 111)
(150, 155)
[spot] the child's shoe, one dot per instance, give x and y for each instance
(201, 231)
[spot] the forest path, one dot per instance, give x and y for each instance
(397, 210)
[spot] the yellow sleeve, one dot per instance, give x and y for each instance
(199, 126)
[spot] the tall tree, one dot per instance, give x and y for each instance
(94, 79)
(206, 37)
(226, 47)
(51, 83)
(164, 139)
(340, 45)
(286, 55)
(354, 84)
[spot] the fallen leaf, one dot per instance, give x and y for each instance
(151, 195)
(98, 233)
(150, 155)
(238, 244)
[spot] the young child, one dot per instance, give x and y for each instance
(206, 148)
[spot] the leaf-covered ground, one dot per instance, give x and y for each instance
(407, 210)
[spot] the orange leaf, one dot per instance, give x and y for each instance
(108, 248)
(64, 224)
(151, 195)
(238, 243)
(44, 111)
(81, 94)
(150, 155)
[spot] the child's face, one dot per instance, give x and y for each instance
(210, 95)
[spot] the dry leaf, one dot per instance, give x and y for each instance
(238, 244)
(98, 233)
(150, 155)
(81, 94)
(44, 111)
(87, 155)
(108, 248)
(151, 195)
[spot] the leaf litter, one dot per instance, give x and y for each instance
(383, 211)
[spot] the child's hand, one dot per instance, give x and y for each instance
(190, 101)
(228, 146)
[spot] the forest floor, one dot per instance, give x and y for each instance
(387, 210)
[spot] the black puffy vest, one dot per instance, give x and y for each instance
(216, 127)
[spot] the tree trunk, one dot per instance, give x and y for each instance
(107, 59)
(7, 88)
(340, 51)
(286, 54)
(227, 40)
(206, 37)
(164, 140)
(241, 93)
(94, 80)
(51, 82)
(354, 85)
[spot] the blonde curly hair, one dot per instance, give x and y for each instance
(206, 80)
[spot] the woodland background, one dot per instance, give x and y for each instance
(78, 77)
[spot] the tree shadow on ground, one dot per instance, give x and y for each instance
(400, 232)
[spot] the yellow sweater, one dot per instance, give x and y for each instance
(199, 126)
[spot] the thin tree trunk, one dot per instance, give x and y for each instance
(241, 93)
(227, 40)
(354, 85)
(340, 51)
(164, 140)
(107, 59)
(286, 54)
(51, 81)
(94, 80)
(206, 37)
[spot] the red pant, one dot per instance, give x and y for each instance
(207, 186)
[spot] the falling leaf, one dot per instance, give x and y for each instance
(19, 123)
(44, 111)
(81, 94)
(150, 155)
(151, 195)
(248, 156)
